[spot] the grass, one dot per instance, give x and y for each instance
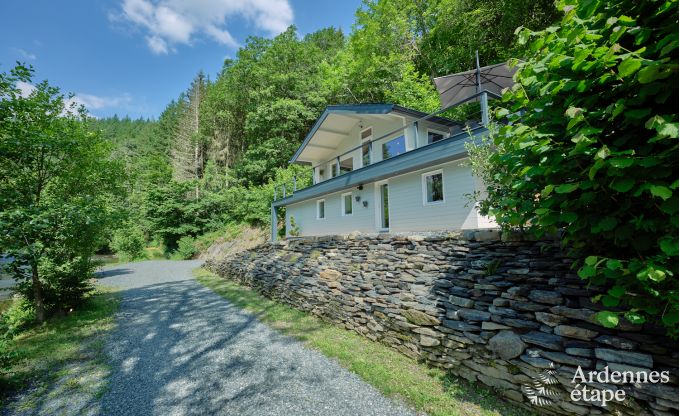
(424, 388)
(63, 351)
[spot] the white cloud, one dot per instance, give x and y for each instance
(25, 54)
(171, 22)
(25, 88)
(95, 102)
(91, 102)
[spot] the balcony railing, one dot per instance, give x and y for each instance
(285, 190)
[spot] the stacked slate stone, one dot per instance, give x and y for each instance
(489, 307)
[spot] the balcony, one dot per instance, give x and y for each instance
(441, 151)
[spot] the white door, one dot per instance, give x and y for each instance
(382, 206)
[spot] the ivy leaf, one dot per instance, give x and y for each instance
(622, 184)
(656, 275)
(587, 272)
(610, 301)
(613, 264)
(651, 73)
(617, 291)
(608, 223)
(669, 130)
(661, 191)
(603, 153)
(629, 67)
(635, 317)
(669, 245)
(573, 112)
(621, 162)
(607, 319)
(671, 318)
(591, 260)
(671, 205)
(566, 188)
(547, 190)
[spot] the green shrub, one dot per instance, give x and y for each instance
(128, 243)
(186, 248)
(17, 317)
(590, 148)
(294, 227)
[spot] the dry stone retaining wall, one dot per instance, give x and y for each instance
(501, 311)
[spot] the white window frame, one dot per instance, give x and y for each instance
(363, 140)
(318, 211)
(344, 211)
(425, 200)
(444, 133)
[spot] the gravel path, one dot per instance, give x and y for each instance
(181, 349)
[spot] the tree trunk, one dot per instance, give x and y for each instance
(37, 294)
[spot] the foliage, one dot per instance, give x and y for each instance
(592, 149)
(19, 316)
(227, 232)
(294, 227)
(57, 184)
(128, 242)
(186, 248)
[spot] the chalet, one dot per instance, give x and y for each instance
(386, 168)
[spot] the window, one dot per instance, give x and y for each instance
(346, 165)
(393, 147)
(347, 204)
(434, 136)
(432, 187)
(333, 169)
(320, 209)
(366, 136)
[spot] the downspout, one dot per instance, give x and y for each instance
(484, 96)
(274, 223)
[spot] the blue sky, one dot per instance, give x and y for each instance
(134, 56)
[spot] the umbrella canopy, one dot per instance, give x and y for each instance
(456, 87)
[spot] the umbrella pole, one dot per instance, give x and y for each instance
(484, 96)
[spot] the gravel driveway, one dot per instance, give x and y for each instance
(181, 349)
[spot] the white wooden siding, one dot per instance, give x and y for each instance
(407, 210)
(362, 219)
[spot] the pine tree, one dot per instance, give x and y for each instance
(188, 151)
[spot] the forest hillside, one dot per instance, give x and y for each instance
(212, 159)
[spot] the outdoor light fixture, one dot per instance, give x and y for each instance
(358, 198)
(360, 187)
(365, 204)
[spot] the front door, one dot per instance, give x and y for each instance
(383, 206)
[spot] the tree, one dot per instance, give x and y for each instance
(188, 150)
(592, 149)
(56, 185)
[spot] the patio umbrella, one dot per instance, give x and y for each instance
(458, 87)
